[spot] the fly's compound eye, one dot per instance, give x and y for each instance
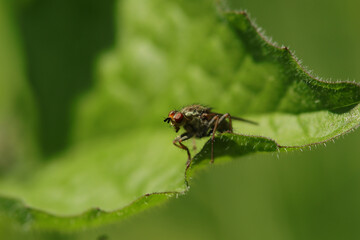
(178, 117)
(171, 114)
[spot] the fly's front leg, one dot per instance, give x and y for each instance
(216, 120)
(178, 142)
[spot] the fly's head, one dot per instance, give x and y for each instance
(176, 119)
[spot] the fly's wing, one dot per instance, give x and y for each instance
(238, 118)
(244, 120)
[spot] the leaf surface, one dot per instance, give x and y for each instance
(121, 159)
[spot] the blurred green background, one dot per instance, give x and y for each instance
(308, 195)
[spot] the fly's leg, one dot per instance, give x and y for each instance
(178, 142)
(216, 120)
(194, 145)
(227, 115)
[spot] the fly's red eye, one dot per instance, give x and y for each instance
(171, 114)
(178, 117)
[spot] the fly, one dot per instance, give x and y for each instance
(199, 121)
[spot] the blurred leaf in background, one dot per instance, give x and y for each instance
(61, 41)
(18, 145)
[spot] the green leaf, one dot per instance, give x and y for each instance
(291, 106)
(121, 160)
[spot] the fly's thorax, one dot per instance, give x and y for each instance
(191, 114)
(197, 127)
(195, 110)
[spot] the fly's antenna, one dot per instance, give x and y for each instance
(167, 120)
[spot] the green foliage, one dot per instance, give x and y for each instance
(120, 158)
